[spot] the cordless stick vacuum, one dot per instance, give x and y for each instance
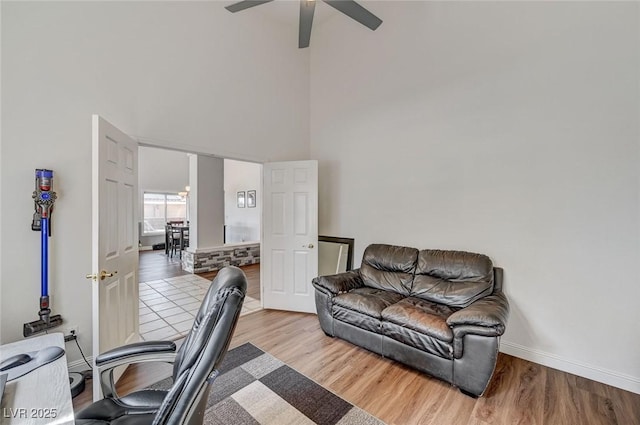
(44, 198)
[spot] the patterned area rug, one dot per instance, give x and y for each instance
(256, 388)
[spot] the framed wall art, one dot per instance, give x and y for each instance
(241, 199)
(251, 199)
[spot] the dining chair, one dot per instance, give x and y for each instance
(174, 242)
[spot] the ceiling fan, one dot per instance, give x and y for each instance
(307, 7)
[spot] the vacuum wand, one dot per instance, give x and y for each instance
(44, 197)
(45, 311)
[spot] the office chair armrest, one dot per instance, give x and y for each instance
(139, 352)
(134, 350)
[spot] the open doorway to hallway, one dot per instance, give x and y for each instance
(218, 203)
(170, 297)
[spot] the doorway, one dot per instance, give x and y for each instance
(170, 296)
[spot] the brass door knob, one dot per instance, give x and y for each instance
(103, 274)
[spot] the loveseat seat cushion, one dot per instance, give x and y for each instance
(369, 301)
(389, 267)
(363, 307)
(420, 324)
(421, 316)
(453, 278)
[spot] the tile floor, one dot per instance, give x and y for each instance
(168, 306)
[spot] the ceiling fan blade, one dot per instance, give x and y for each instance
(242, 5)
(307, 7)
(356, 12)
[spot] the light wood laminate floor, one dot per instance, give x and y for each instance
(520, 392)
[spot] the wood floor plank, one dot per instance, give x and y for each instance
(528, 395)
(252, 272)
(409, 392)
(626, 406)
(461, 414)
(488, 409)
(561, 404)
(597, 408)
(155, 265)
(518, 384)
(434, 392)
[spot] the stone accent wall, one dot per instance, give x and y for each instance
(219, 257)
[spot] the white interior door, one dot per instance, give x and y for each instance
(115, 240)
(289, 258)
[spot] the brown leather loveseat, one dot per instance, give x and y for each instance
(441, 312)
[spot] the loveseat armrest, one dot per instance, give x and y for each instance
(486, 317)
(491, 311)
(337, 283)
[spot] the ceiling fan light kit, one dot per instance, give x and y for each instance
(307, 8)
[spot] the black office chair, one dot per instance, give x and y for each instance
(195, 364)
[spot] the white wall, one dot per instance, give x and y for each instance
(162, 171)
(506, 128)
(206, 202)
(243, 224)
(184, 73)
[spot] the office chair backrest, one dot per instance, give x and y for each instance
(203, 350)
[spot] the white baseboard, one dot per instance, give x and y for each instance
(145, 248)
(606, 376)
(79, 365)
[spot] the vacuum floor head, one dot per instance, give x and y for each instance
(38, 326)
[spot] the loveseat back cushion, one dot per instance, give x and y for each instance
(389, 267)
(453, 278)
